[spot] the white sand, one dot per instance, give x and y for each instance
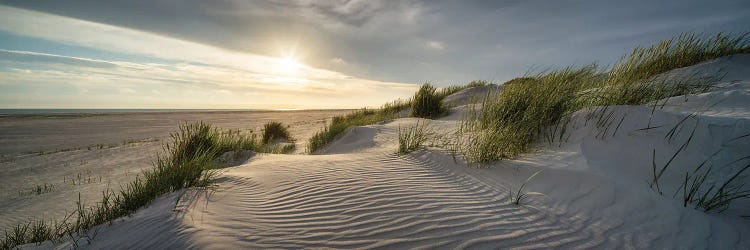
(593, 192)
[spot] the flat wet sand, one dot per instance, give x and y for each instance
(22, 134)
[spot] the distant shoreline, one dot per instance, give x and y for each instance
(96, 112)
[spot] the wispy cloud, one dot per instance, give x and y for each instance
(43, 58)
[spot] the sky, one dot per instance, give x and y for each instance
(304, 54)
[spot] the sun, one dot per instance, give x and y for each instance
(289, 64)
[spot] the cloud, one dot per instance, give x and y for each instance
(387, 40)
(127, 91)
(42, 58)
(192, 67)
(435, 45)
(176, 86)
(338, 60)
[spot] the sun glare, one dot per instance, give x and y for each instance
(289, 64)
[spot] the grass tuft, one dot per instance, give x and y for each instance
(274, 131)
(427, 103)
(729, 190)
(703, 194)
(520, 193)
(411, 138)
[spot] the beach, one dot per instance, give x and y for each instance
(49, 159)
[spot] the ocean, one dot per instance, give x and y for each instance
(109, 111)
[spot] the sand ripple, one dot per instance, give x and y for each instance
(375, 200)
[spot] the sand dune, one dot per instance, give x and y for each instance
(373, 199)
(593, 191)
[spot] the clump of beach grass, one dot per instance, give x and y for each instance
(412, 137)
(42, 189)
(509, 121)
(427, 103)
(186, 161)
(275, 131)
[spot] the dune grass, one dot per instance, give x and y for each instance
(452, 89)
(185, 162)
(283, 148)
(427, 103)
(413, 137)
(427, 98)
(528, 107)
(275, 131)
(360, 117)
(713, 198)
(702, 188)
(698, 191)
(520, 193)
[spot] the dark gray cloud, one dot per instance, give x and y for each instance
(390, 40)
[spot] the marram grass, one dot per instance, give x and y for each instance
(361, 117)
(412, 137)
(427, 103)
(427, 98)
(275, 131)
(524, 111)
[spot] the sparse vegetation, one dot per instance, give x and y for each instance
(185, 162)
(429, 98)
(476, 83)
(89, 147)
(658, 174)
(527, 107)
(703, 194)
(412, 137)
(520, 193)
(700, 189)
(283, 148)
(714, 199)
(275, 131)
(41, 189)
(443, 92)
(357, 118)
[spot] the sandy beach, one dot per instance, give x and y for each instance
(85, 154)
